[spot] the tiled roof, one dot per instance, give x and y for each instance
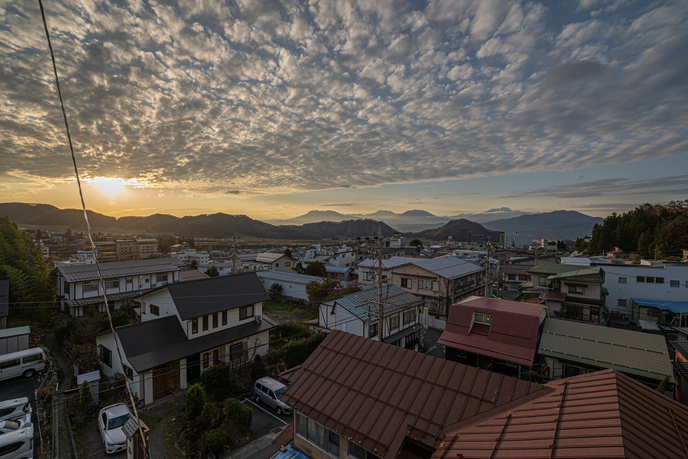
(101, 298)
(269, 257)
(635, 353)
(376, 395)
(584, 274)
(673, 306)
(599, 415)
(191, 274)
(337, 269)
(516, 269)
(364, 305)
(214, 294)
(512, 335)
(449, 267)
(283, 276)
(553, 268)
(83, 272)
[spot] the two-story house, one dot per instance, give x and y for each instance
(358, 313)
(571, 292)
(79, 287)
(440, 281)
(187, 327)
(276, 261)
(514, 275)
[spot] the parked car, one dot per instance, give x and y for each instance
(22, 363)
(14, 424)
(10, 409)
(268, 390)
(17, 444)
(111, 419)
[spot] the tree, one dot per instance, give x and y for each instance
(215, 440)
(195, 401)
(416, 242)
(275, 290)
(86, 396)
(68, 234)
(287, 252)
(240, 415)
(258, 368)
(39, 235)
(194, 264)
(328, 288)
(315, 268)
(561, 245)
(220, 382)
(212, 271)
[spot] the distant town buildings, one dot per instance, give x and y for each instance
(518, 240)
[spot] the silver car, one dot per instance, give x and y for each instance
(268, 390)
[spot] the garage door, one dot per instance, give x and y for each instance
(165, 380)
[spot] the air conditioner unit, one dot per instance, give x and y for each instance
(259, 318)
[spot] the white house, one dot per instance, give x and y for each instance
(293, 285)
(78, 285)
(186, 328)
(191, 254)
(358, 312)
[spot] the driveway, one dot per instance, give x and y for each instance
(22, 387)
(265, 419)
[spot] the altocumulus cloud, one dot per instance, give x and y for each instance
(263, 97)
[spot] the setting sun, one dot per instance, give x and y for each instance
(111, 185)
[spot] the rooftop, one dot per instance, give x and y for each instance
(449, 267)
(674, 306)
(364, 305)
(269, 257)
(635, 353)
(288, 277)
(87, 272)
(512, 334)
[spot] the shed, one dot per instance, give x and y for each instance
(14, 339)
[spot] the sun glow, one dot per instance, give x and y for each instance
(112, 185)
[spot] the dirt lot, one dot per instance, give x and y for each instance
(283, 312)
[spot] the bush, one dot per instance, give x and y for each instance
(240, 415)
(86, 396)
(195, 401)
(258, 368)
(219, 382)
(296, 352)
(215, 440)
(275, 290)
(285, 330)
(208, 415)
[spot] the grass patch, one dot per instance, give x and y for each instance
(277, 306)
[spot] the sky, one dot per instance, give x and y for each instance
(271, 109)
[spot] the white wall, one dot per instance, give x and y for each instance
(163, 300)
(109, 342)
(232, 321)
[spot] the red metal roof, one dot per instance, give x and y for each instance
(599, 415)
(512, 335)
(376, 395)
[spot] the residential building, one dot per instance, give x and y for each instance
(680, 364)
(189, 255)
(667, 282)
(359, 398)
(276, 261)
(344, 258)
(515, 275)
(136, 249)
(229, 267)
(573, 292)
(341, 273)
(518, 240)
(293, 284)
(4, 302)
(78, 286)
(493, 334)
(358, 313)
(659, 312)
(185, 328)
(440, 281)
(571, 348)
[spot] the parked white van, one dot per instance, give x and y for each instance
(22, 363)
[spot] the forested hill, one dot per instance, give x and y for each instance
(644, 229)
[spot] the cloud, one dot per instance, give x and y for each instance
(677, 185)
(341, 204)
(264, 97)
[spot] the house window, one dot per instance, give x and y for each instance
(162, 277)
(155, 310)
(674, 284)
(659, 280)
(205, 323)
(106, 356)
(640, 279)
(215, 320)
(622, 280)
(287, 264)
(129, 280)
(112, 284)
(405, 282)
(425, 284)
(544, 281)
(372, 330)
(206, 360)
(147, 280)
(194, 326)
(357, 452)
(128, 372)
(394, 322)
(245, 312)
(318, 435)
(649, 280)
(90, 287)
(224, 317)
(276, 265)
(239, 353)
(410, 316)
(621, 303)
(216, 357)
(481, 318)
(511, 277)
(576, 289)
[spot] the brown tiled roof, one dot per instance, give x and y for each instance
(512, 335)
(552, 295)
(599, 415)
(376, 395)
(516, 269)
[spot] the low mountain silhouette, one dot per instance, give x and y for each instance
(459, 231)
(560, 224)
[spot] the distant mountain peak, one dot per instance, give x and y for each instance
(501, 209)
(382, 213)
(417, 213)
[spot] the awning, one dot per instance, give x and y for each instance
(401, 334)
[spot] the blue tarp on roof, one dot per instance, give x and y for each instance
(673, 306)
(290, 453)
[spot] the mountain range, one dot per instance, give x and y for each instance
(328, 224)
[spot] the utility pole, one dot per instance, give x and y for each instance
(234, 256)
(380, 311)
(487, 266)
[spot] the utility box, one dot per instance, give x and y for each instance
(135, 444)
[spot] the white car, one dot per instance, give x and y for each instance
(12, 425)
(111, 419)
(10, 409)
